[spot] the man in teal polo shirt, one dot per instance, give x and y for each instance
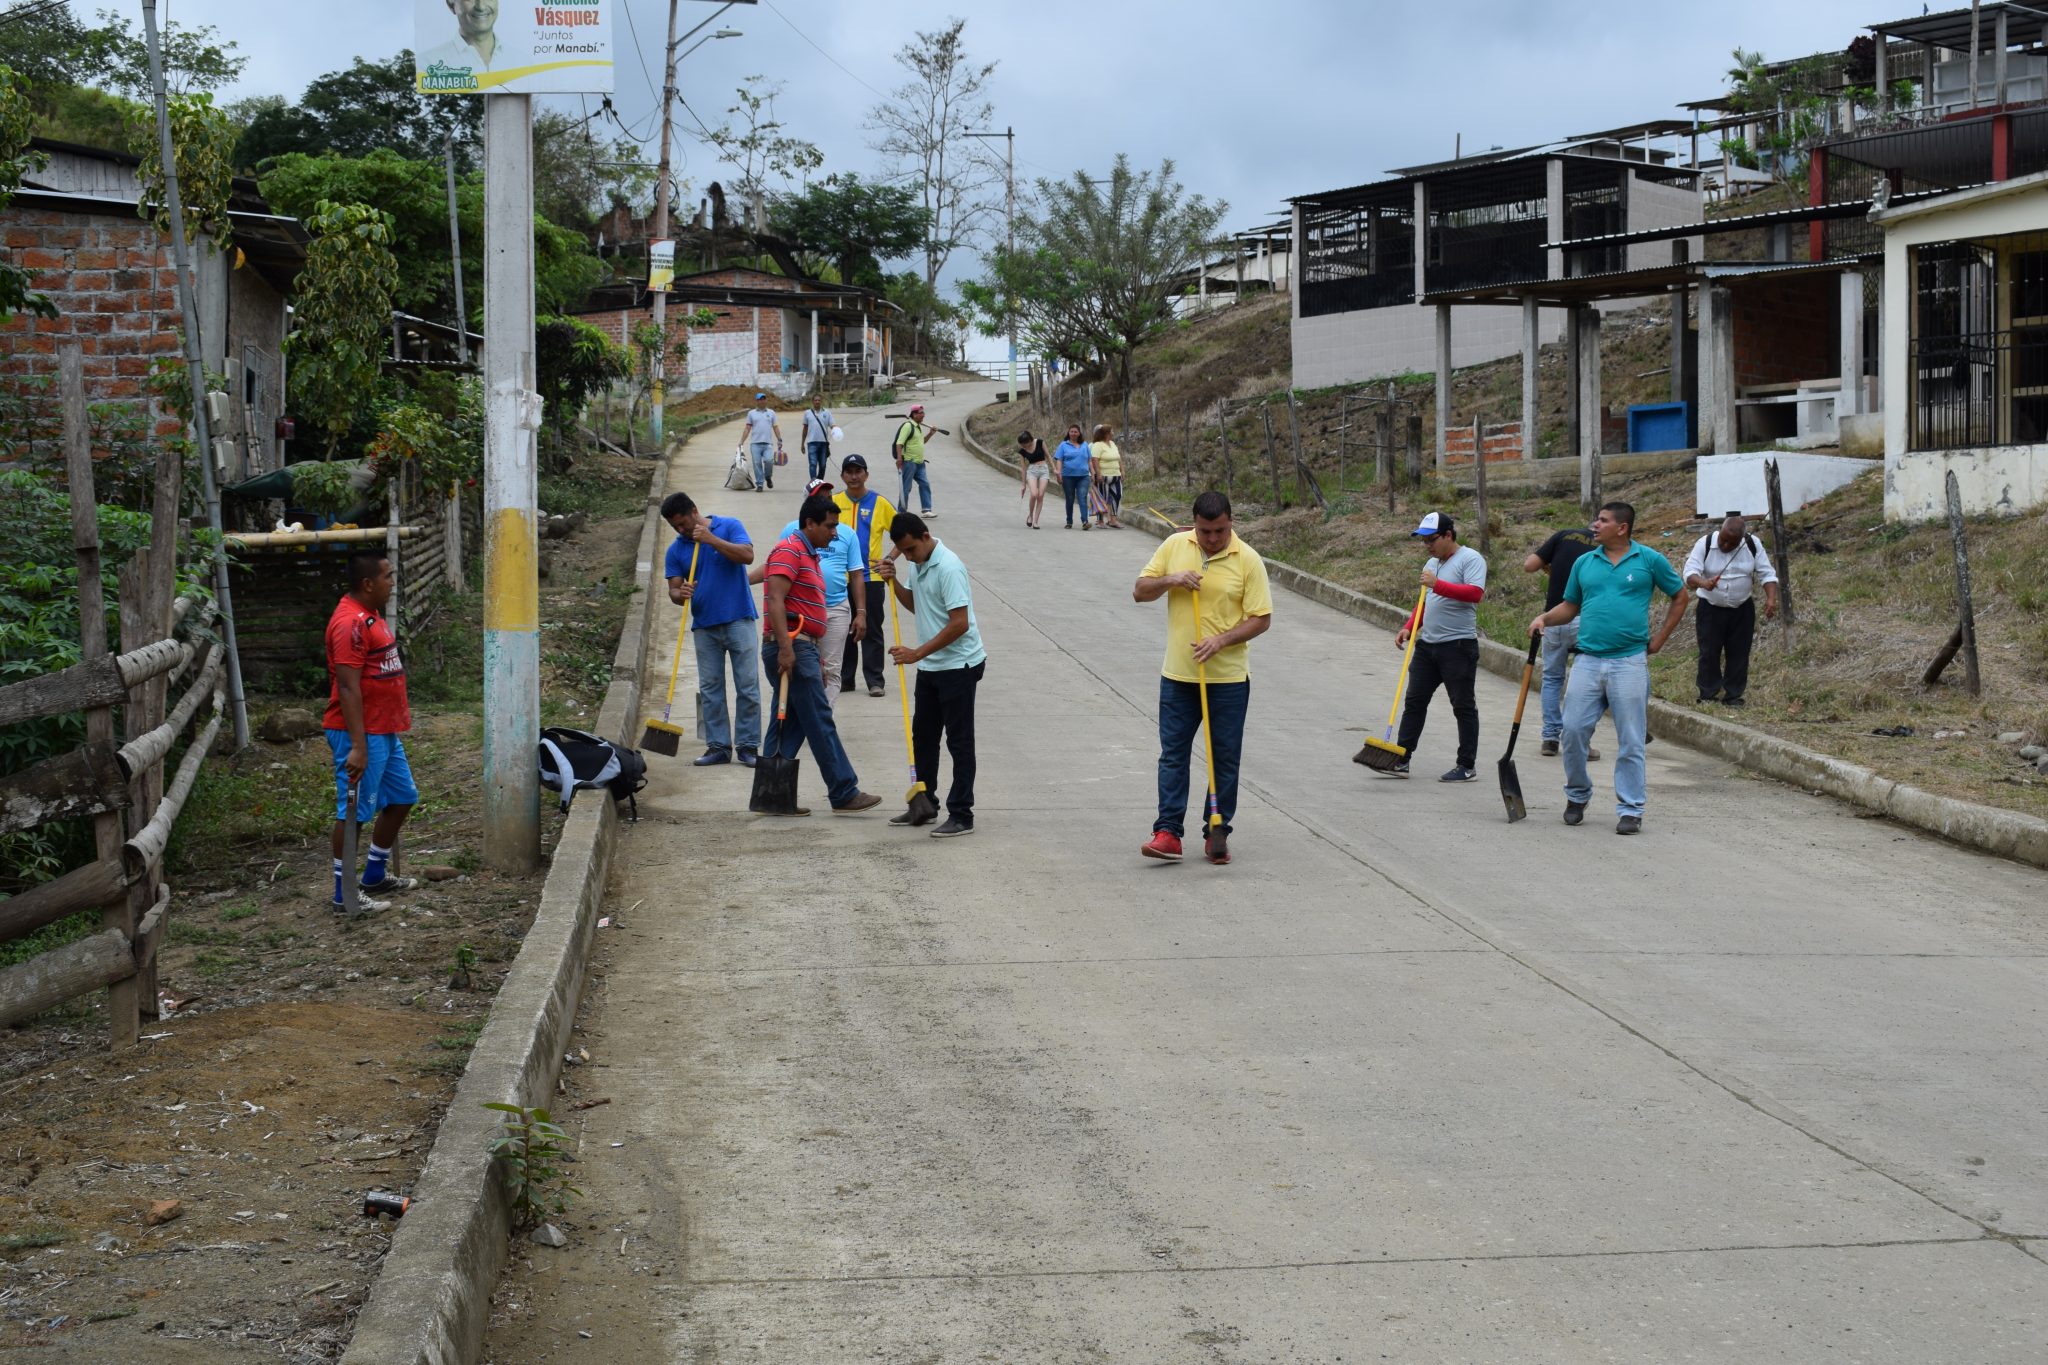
(1608, 594)
(932, 583)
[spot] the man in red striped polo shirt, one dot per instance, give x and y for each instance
(793, 609)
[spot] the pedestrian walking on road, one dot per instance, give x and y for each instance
(818, 436)
(794, 605)
(368, 717)
(1608, 594)
(930, 581)
(1212, 565)
(1077, 462)
(1726, 567)
(1037, 471)
(869, 514)
(843, 565)
(764, 439)
(721, 626)
(1556, 556)
(1447, 649)
(1107, 466)
(910, 461)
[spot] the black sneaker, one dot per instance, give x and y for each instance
(711, 757)
(1398, 770)
(910, 821)
(1629, 824)
(1735, 702)
(952, 829)
(748, 758)
(1550, 748)
(1458, 775)
(1574, 812)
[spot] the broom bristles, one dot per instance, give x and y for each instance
(1380, 754)
(662, 737)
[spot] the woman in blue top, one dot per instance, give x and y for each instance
(1074, 457)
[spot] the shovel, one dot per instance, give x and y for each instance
(350, 904)
(774, 775)
(1510, 780)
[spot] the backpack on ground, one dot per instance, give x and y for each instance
(571, 760)
(741, 476)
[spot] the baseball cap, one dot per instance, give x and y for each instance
(760, 398)
(917, 407)
(854, 462)
(1428, 527)
(817, 486)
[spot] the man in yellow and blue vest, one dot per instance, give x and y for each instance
(869, 514)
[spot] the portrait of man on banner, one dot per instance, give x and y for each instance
(472, 45)
(489, 47)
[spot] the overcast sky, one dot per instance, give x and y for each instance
(1253, 102)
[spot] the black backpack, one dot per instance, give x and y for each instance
(571, 760)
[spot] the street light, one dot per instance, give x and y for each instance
(1009, 137)
(722, 33)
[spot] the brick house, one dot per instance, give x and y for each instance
(771, 332)
(74, 227)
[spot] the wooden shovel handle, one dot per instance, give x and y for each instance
(1528, 672)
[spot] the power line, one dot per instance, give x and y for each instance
(821, 51)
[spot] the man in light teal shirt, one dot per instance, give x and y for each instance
(932, 582)
(1609, 594)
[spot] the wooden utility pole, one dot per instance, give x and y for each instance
(1479, 480)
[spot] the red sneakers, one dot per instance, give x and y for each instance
(1216, 846)
(1164, 846)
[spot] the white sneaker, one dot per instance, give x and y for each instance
(388, 887)
(365, 905)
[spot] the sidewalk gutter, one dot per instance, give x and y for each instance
(2008, 834)
(431, 1300)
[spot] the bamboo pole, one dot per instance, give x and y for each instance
(352, 535)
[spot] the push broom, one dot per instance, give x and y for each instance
(664, 736)
(1382, 755)
(923, 810)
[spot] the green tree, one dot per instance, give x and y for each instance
(573, 362)
(757, 147)
(1095, 260)
(577, 176)
(16, 161)
(933, 321)
(203, 141)
(343, 315)
(42, 47)
(112, 56)
(370, 105)
(924, 133)
(853, 224)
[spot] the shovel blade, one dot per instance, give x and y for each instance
(1511, 791)
(774, 786)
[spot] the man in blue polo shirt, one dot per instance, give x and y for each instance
(1608, 594)
(722, 628)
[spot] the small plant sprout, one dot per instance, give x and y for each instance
(532, 1149)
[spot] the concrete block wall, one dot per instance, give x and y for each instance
(111, 283)
(1502, 441)
(1348, 348)
(1656, 204)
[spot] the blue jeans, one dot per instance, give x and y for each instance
(1557, 662)
(764, 463)
(741, 640)
(820, 454)
(1180, 718)
(809, 718)
(1620, 687)
(914, 472)
(1075, 486)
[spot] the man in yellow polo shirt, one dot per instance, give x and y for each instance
(869, 515)
(1237, 606)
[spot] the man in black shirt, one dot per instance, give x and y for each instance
(1558, 554)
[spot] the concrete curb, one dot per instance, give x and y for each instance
(431, 1300)
(2008, 834)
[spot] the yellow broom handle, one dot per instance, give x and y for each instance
(1202, 687)
(903, 696)
(676, 664)
(1401, 684)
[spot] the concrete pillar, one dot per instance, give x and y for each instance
(1532, 340)
(1421, 239)
(1572, 395)
(1443, 378)
(1590, 427)
(1553, 170)
(1849, 401)
(1717, 371)
(1999, 59)
(1680, 298)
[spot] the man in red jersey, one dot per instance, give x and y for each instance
(367, 713)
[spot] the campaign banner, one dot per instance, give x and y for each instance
(503, 47)
(661, 266)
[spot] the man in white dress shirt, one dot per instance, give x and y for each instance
(475, 45)
(1726, 568)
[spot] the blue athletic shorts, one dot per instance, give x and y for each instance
(387, 781)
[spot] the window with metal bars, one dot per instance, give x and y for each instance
(1979, 347)
(1488, 227)
(1594, 206)
(1358, 255)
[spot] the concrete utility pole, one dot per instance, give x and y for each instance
(658, 370)
(1009, 137)
(511, 538)
(195, 373)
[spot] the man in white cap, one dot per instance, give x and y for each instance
(1447, 647)
(909, 447)
(765, 437)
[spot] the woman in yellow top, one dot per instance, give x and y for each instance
(1106, 463)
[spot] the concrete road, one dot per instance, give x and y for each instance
(1405, 1082)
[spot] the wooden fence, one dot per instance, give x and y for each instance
(120, 786)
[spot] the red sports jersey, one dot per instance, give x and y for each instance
(359, 638)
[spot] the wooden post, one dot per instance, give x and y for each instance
(1088, 413)
(1414, 448)
(1343, 423)
(1152, 440)
(1294, 442)
(1778, 548)
(1125, 430)
(1966, 619)
(1383, 437)
(1479, 480)
(124, 1012)
(1272, 455)
(1223, 449)
(1187, 444)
